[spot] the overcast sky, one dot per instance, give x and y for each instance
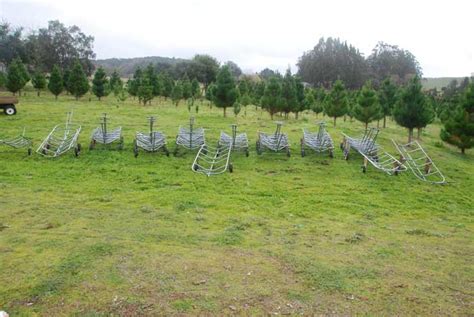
(258, 34)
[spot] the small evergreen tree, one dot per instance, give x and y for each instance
(177, 93)
(3, 80)
(288, 93)
(243, 87)
(237, 107)
(226, 93)
(272, 100)
(153, 81)
(145, 91)
(55, 84)
(79, 84)
(459, 129)
(168, 85)
(24, 73)
(300, 96)
(388, 98)
(16, 79)
(258, 93)
(335, 104)
(186, 87)
(366, 108)
(195, 88)
(412, 110)
(245, 100)
(100, 83)
(210, 91)
(39, 81)
(115, 81)
(134, 83)
(309, 101)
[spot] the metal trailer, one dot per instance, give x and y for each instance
(276, 142)
(372, 152)
(102, 135)
(190, 138)
(418, 161)
(319, 141)
(61, 139)
(151, 142)
(239, 142)
(213, 160)
(18, 142)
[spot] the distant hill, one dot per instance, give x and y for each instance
(438, 83)
(126, 66)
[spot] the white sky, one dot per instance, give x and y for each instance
(258, 34)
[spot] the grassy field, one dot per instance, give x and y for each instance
(108, 234)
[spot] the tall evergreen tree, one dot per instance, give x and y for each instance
(177, 93)
(195, 88)
(412, 110)
(55, 84)
(168, 85)
(66, 82)
(153, 79)
(39, 81)
(100, 83)
(3, 80)
(226, 92)
(134, 83)
(366, 108)
(187, 87)
(335, 103)
(115, 81)
(258, 93)
(272, 100)
(387, 97)
(79, 84)
(309, 101)
(16, 78)
(288, 93)
(459, 129)
(300, 96)
(145, 91)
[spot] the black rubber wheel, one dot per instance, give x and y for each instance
(120, 145)
(247, 153)
(29, 151)
(346, 155)
(288, 153)
(259, 150)
(364, 169)
(331, 154)
(92, 145)
(79, 147)
(303, 153)
(175, 151)
(341, 146)
(166, 151)
(195, 167)
(10, 110)
(231, 168)
(204, 150)
(76, 152)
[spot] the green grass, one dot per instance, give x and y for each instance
(108, 234)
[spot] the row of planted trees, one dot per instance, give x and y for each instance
(408, 105)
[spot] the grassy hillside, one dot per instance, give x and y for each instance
(108, 234)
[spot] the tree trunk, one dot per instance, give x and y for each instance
(366, 126)
(38, 93)
(344, 118)
(99, 98)
(271, 116)
(56, 97)
(335, 121)
(378, 124)
(418, 136)
(384, 121)
(410, 134)
(296, 115)
(463, 151)
(225, 115)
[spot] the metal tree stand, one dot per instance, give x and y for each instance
(102, 135)
(151, 142)
(61, 139)
(18, 142)
(239, 142)
(276, 142)
(372, 152)
(213, 160)
(190, 138)
(319, 141)
(418, 161)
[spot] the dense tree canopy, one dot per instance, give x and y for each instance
(330, 60)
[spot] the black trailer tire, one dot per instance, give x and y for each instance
(9, 110)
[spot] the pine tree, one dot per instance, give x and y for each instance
(412, 110)
(152, 77)
(134, 83)
(459, 129)
(115, 81)
(245, 100)
(300, 96)
(145, 91)
(195, 88)
(168, 85)
(100, 83)
(237, 107)
(187, 87)
(258, 93)
(177, 93)
(79, 84)
(366, 108)
(210, 91)
(309, 101)
(55, 84)
(226, 92)
(272, 100)
(388, 98)
(39, 81)
(243, 87)
(288, 93)
(335, 103)
(3, 80)
(16, 79)
(24, 73)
